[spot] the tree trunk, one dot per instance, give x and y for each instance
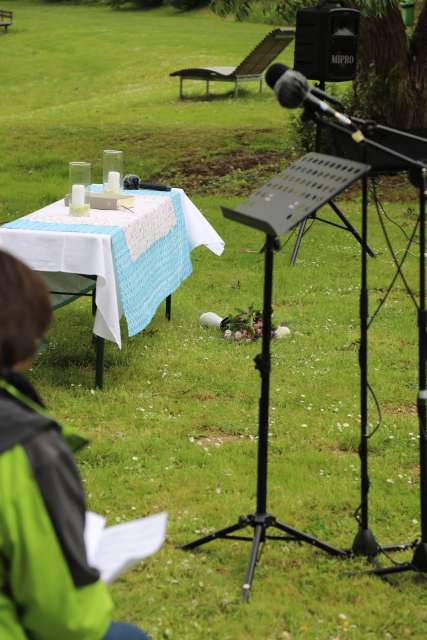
(391, 86)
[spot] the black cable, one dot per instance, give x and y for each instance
(390, 246)
(288, 238)
(378, 408)
(398, 271)
(374, 182)
(312, 221)
(356, 515)
(377, 426)
(398, 264)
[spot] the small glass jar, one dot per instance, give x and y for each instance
(80, 182)
(112, 171)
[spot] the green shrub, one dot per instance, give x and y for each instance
(186, 5)
(140, 4)
(269, 11)
(148, 4)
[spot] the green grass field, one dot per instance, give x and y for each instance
(175, 427)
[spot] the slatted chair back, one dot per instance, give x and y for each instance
(264, 53)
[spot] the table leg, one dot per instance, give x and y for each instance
(99, 359)
(99, 351)
(168, 307)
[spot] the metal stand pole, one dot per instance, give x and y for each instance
(261, 520)
(364, 542)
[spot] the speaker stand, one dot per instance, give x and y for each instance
(419, 558)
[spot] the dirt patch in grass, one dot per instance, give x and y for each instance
(218, 441)
(214, 437)
(205, 396)
(401, 410)
(242, 159)
(237, 171)
(242, 170)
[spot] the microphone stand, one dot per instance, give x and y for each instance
(364, 542)
(369, 126)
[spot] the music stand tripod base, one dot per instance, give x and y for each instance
(275, 208)
(260, 523)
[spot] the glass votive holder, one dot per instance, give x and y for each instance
(112, 171)
(79, 188)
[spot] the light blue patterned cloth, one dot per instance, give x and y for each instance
(142, 284)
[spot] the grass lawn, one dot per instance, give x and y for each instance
(175, 428)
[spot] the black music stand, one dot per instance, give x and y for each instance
(275, 208)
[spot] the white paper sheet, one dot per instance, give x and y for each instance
(113, 550)
(94, 528)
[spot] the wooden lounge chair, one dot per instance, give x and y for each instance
(251, 68)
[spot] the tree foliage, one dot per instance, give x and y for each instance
(392, 74)
(242, 8)
(186, 5)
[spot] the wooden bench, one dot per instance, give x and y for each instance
(6, 18)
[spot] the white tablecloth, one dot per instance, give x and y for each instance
(90, 254)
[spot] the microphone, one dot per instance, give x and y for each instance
(292, 91)
(277, 70)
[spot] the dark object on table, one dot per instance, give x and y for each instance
(154, 187)
(251, 68)
(132, 181)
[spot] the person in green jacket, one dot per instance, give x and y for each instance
(48, 591)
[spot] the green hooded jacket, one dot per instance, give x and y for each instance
(47, 589)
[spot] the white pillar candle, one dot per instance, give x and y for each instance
(78, 193)
(114, 181)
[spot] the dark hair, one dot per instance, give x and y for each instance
(25, 310)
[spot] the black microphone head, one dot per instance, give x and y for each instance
(131, 181)
(274, 73)
(293, 89)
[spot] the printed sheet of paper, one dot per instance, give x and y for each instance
(118, 548)
(94, 527)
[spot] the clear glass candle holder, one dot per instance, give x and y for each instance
(112, 171)
(79, 182)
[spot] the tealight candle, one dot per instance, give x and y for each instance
(113, 184)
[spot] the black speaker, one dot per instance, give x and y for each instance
(326, 40)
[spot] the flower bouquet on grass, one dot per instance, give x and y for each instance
(246, 325)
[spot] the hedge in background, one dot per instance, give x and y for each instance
(186, 5)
